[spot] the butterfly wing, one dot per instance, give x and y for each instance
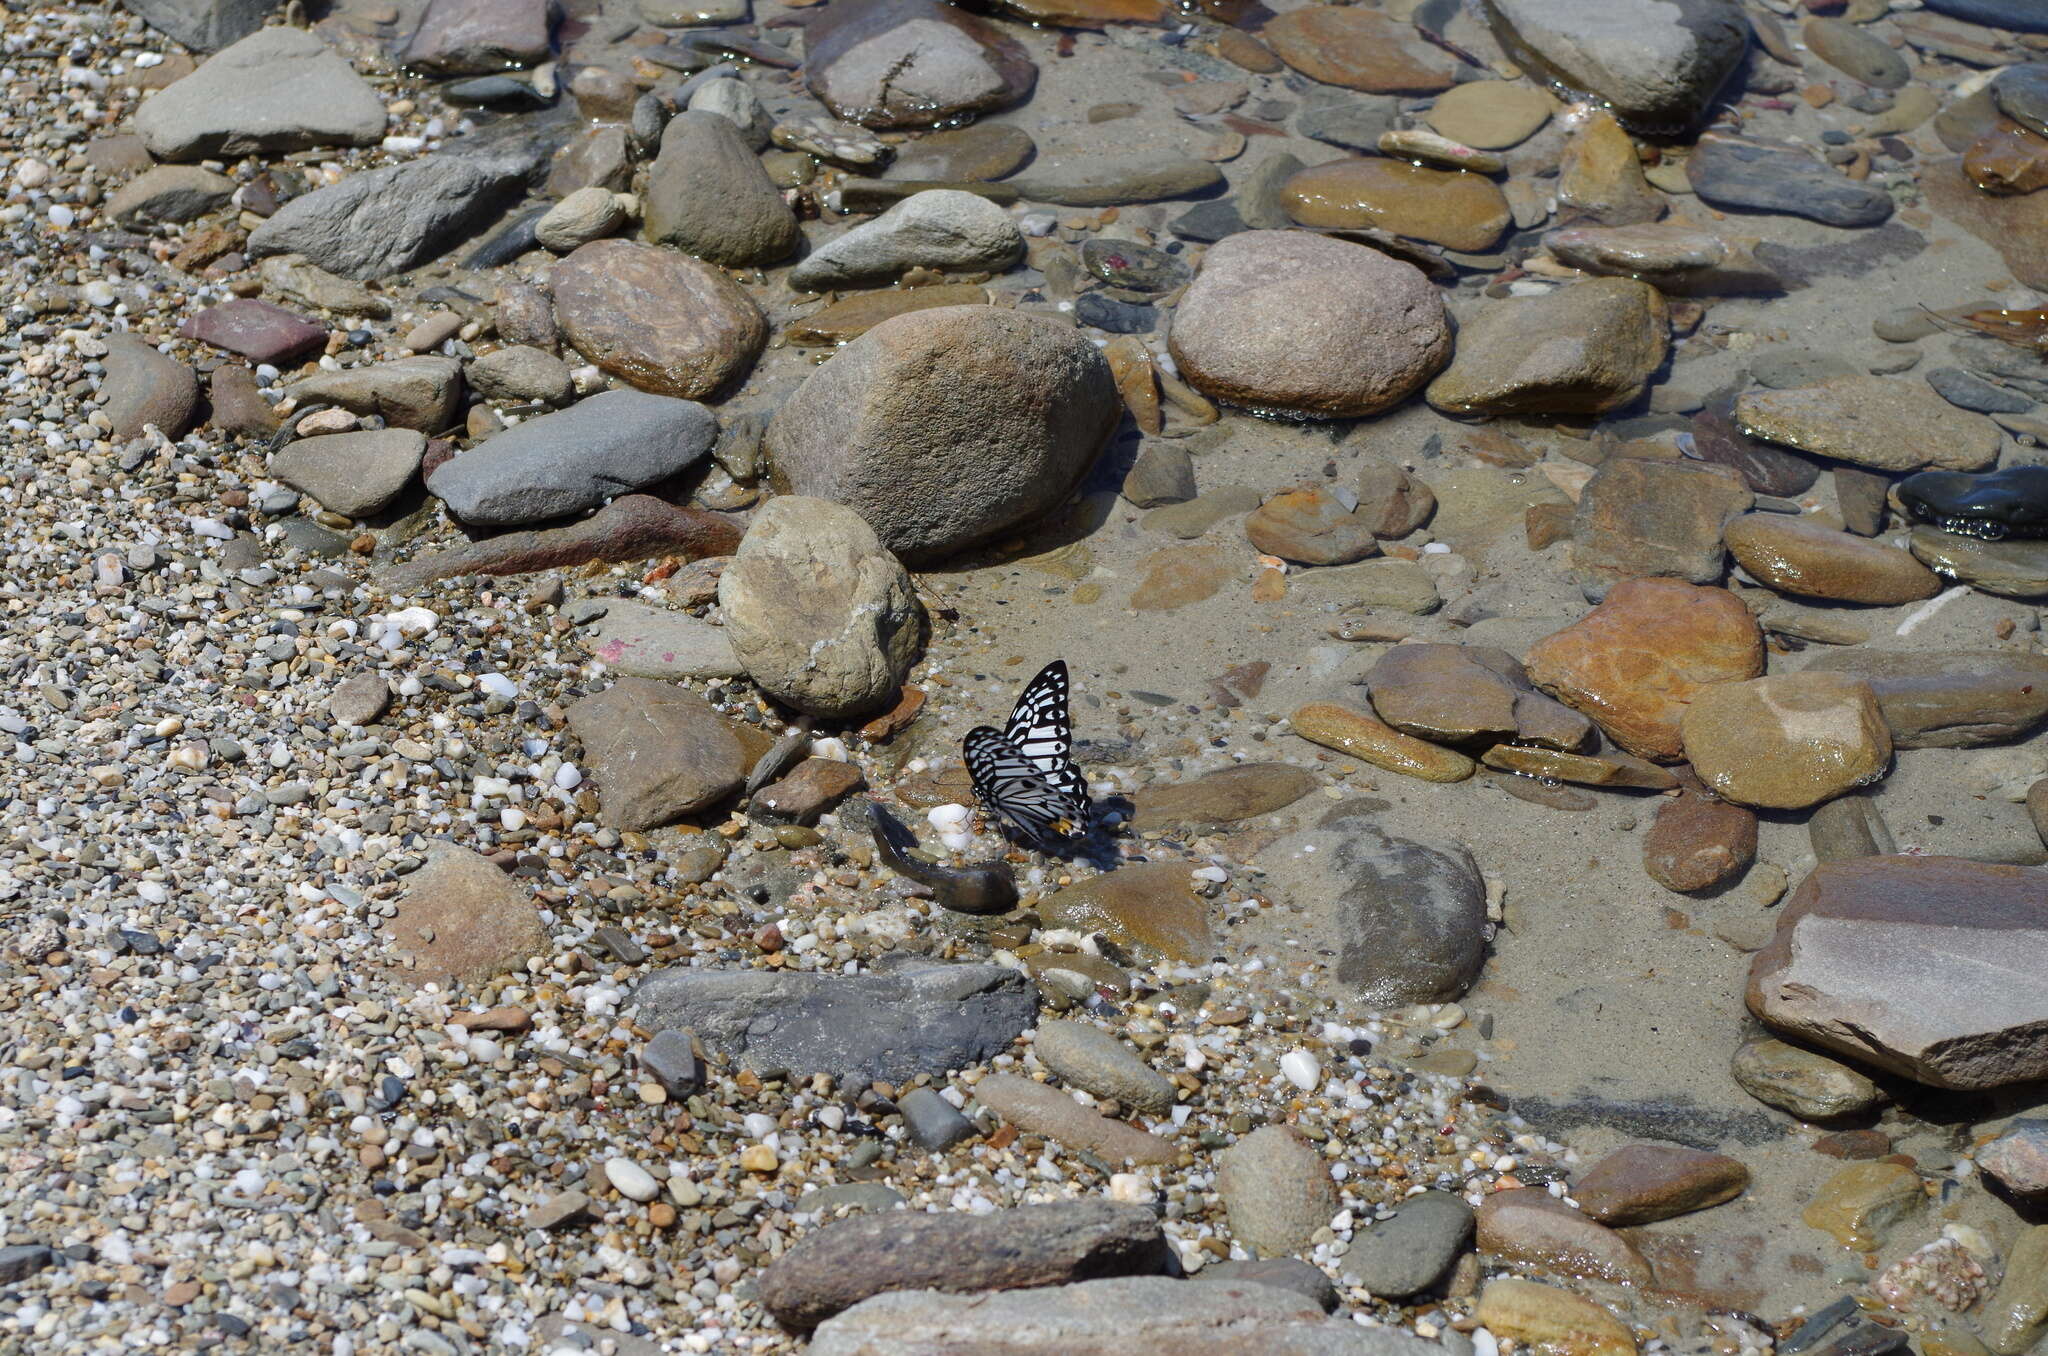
(1042, 730)
(1014, 787)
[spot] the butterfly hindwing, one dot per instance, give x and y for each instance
(1011, 785)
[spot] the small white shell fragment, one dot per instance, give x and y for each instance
(1301, 1069)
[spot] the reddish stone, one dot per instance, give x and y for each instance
(1697, 842)
(814, 786)
(258, 330)
(1642, 1183)
(632, 527)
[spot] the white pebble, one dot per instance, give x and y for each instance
(634, 1182)
(1301, 1069)
(498, 685)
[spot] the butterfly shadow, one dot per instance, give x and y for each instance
(1097, 847)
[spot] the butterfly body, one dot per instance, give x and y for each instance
(1023, 773)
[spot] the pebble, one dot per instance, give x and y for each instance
(1452, 208)
(2018, 1159)
(1491, 115)
(1644, 1183)
(1276, 1189)
(1802, 1083)
(1796, 556)
(1544, 1315)
(1505, 362)
(1413, 1249)
(1789, 741)
(1095, 1061)
(663, 321)
(634, 1182)
(1373, 741)
(1872, 421)
(1863, 1202)
(1357, 49)
(1045, 1111)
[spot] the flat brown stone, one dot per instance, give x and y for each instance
(1151, 906)
(1787, 742)
(1176, 576)
(1359, 49)
(462, 919)
(1696, 843)
(1642, 1183)
(1235, 793)
(1800, 557)
(1950, 699)
(1880, 422)
(852, 316)
(1531, 1225)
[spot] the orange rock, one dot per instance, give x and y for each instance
(2008, 159)
(1635, 662)
(1451, 208)
(1357, 48)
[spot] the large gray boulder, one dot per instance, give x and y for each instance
(821, 614)
(385, 221)
(279, 89)
(564, 463)
(947, 427)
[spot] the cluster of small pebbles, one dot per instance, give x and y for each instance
(513, 508)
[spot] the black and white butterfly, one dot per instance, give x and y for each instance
(1023, 772)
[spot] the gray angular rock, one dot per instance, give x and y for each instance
(1277, 1190)
(353, 474)
(279, 89)
(1411, 1252)
(423, 393)
(1407, 920)
(1134, 1316)
(940, 228)
(933, 1121)
(708, 195)
(384, 221)
(144, 387)
(1657, 63)
(19, 1261)
(1020, 1248)
(946, 427)
(823, 617)
(520, 372)
(564, 463)
(203, 25)
(671, 1060)
(169, 193)
(360, 700)
(891, 1025)
(656, 753)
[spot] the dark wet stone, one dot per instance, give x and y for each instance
(1126, 263)
(495, 91)
(1968, 391)
(2021, 16)
(1764, 468)
(1207, 222)
(1411, 1252)
(2009, 503)
(934, 1122)
(1804, 265)
(1748, 176)
(1679, 1120)
(1113, 316)
(2021, 93)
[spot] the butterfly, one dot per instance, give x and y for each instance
(1022, 772)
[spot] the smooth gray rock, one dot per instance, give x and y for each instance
(1134, 1316)
(354, 474)
(1283, 1273)
(734, 101)
(1849, 826)
(1752, 177)
(645, 641)
(934, 1122)
(708, 195)
(385, 221)
(1276, 1189)
(919, 1017)
(564, 463)
(1027, 1246)
(1950, 699)
(1091, 1059)
(19, 1261)
(1407, 920)
(1411, 1252)
(822, 615)
(1111, 180)
(912, 63)
(476, 37)
(423, 393)
(944, 428)
(940, 228)
(279, 89)
(203, 25)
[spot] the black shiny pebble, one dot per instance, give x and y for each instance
(1113, 316)
(494, 91)
(508, 244)
(1991, 506)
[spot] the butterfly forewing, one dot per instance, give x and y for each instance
(1039, 725)
(1014, 787)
